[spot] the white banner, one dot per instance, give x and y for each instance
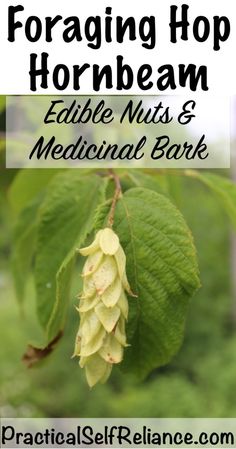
(154, 47)
(114, 433)
(100, 132)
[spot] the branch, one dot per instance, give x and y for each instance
(116, 197)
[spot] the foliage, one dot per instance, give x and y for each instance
(62, 209)
(187, 387)
(161, 261)
(223, 188)
(162, 269)
(54, 212)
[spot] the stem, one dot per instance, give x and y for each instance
(116, 196)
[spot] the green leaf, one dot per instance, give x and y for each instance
(2, 146)
(24, 240)
(2, 102)
(66, 217)
(27, 184)
(223, 188)
(56, 322)
(162, 270)
(101, 214)
(141, 179)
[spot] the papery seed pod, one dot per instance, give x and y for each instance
(103, 307)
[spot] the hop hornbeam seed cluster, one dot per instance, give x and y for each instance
(103, 307)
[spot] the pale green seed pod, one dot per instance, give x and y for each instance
(103, 307)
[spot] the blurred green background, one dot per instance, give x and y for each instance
(199, 382)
